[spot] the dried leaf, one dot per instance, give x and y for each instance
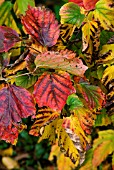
(53, 89)
(41, 24)
(18, 103)
(64, 60)
(70, 13)
(103, 146)
(8, 38)
(104, 13)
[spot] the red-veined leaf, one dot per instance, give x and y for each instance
(8, 38)
(44, 117)
(53, 89)
(64, 60)
(41, 24)
(87, 4)
(15, 103)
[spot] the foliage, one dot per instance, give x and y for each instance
(61, 75)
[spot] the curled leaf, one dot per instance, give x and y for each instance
(53, 89)
(8, 38)
(41, 24)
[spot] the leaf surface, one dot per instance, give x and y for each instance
(108, 75)
(41, 24)
(18, 103)
(53, 89)
(104, 13)
(8, 38)
(70, 13)
(44, 116)
(64, 60)
(103, 146)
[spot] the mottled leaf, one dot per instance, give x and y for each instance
(66, 144)
(41, 24)
(10, 133)
(104, 13)
(23, 5)
(92, 95)
(103, 146)
(86, 118)
(44, 116)
(53, 89)
(102, 120)
(108, 75)
(90, 39)
(70, 13)
(5, 9)
(106, 55)
(62, 161)
(73, 101)
(64, 60)
(18, 103)
(87, 4)
(8, 38)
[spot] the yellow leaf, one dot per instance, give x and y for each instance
(104, 13)
(6, 152)
(66, 144)
(108, 75)
(10, 163)
(62, 161)
(106, 55)
(90, 39)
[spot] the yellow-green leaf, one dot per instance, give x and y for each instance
(103, 146)
(106, 55)
(90, 39)
(108, 75)
(104, 13)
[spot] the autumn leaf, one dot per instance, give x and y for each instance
(90, 39)
(103, 146)
(44, 116)
(104, 13)
(10, 133)
(18, 103)
(41, 24)
(53, 89)
(87, 4)
(70, 13)
(102, 120)
(8, 38)
(93, 97)
(64, 60)
(86, 118)
(106, 55)
(66, 144)
(108, 75)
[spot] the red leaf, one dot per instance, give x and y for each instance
(87, 4)
(10, 133)
(53, 89)
(15, 103)
(8, 38)
(41, 24)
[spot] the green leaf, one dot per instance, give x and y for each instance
(104, 13)
(73, 101)
(105, 36)
(103, 146)
(5, 9)
(70, 13)
(23, 5)
(25, 81)
(102, 120)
